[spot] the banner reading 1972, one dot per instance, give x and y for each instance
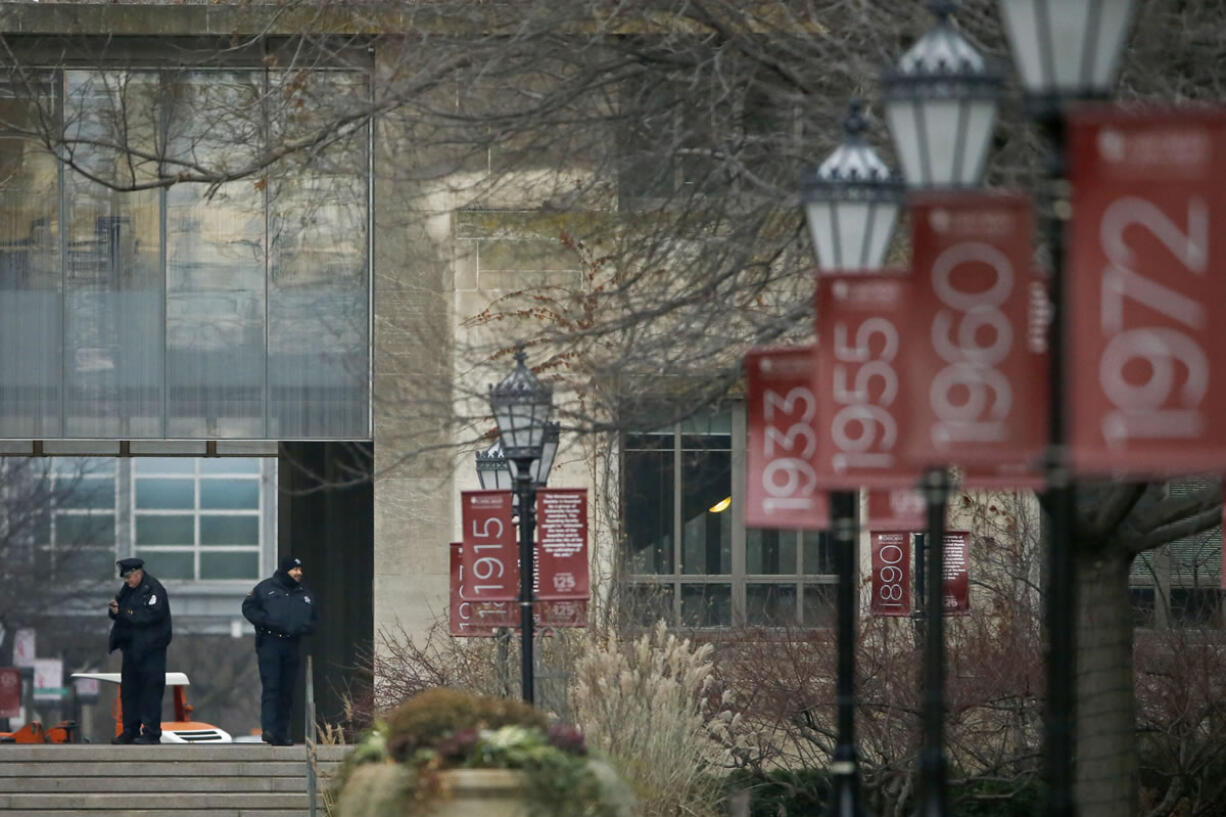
(1147, 356)
(977, 352)
(781, 481)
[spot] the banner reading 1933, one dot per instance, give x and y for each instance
(1147, 373)
(781, 482)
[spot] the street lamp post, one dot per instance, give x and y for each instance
(851, 203)
(522, 406)
(1065, 50)
(940, 103)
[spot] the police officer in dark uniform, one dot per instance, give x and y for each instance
(282, 610)
(141, 615)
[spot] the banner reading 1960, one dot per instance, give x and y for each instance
(1147, 374)
(977, 352)
(781, 441)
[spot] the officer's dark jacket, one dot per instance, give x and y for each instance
(282, 605)
(142, 625)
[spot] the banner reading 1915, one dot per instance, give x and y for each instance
(781, 441)
(977, 352)
(862, 414)
(1148, 273)
(490, 555)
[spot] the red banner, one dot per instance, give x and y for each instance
(561, 536)
(781, 441)
(1147, 380)
(10, 692)
(891, 573)
(469, 617)
(976, 346)
(861, 418)
(957, 585)
(491, 555)
(896, 509)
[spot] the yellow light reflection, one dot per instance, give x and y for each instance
(722, 505)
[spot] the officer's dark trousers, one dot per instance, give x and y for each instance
(142, 681)
(278, 660)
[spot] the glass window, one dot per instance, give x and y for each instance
(164, 465)
(169, 564)
(220, 565)
(158, 494)
(229, 530)
(229, 465)
(165, 530)
(91, 493)
(680, 513)
(85, 529)
(228, 494)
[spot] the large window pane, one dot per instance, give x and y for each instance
(92, 493)
(30, 336)
(229, 530)
(113, 269)
(818, 605)
(649, 503)
(165, 530)
(229, 565)
(770, 605)
(818, 560)
(169, 564)
(215, 263)
(164, 465)
(645, 604)
(91, 564)
(166, 494)
(318, 307)
(226, 494)
(706, 482)
(770, 551)
(706, 605)
(85, 529)
(229, 465)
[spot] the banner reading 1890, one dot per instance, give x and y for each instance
(1147, 373)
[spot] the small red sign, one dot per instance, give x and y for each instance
(491, 555)
(10, 692)
(896, 509)
(860, 361)
(781, 481)
(976, 342)
(561, 541)
(891, 573)
(957, 585)
(1147, 377)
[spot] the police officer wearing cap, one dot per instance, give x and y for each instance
(282, 610)
(141, 615)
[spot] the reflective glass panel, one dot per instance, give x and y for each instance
(229, 530)
(230, 465)
(770, 605)
(164, 465)
(706, 605)
(169, 564)
(165, 530)
(30, 327)
(818, 608)
(227, 494)
(648, 479)
(229, 565)
(645, 604)
(93, 492)
(161, 494)
(770, 551)
(818, 560)
(84, 529)
(706, 481)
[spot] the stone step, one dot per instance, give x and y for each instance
(129, 783)
(126, 811)
(232, 752)
(168, 768)
(166, 803)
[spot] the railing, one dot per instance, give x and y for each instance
(309, 738)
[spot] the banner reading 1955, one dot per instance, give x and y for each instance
(1147, 372)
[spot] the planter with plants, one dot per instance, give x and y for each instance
(446, 753)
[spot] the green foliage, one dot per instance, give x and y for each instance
(443, 729)
(435, 714)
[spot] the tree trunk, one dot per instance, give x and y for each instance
(1106, 715)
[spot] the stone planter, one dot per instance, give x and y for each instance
(479, 793)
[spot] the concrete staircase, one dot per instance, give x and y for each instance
(92, 780)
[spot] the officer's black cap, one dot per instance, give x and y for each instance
(126, 566)
(289, 563)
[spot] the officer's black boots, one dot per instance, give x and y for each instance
(123, 737)
(146, 739)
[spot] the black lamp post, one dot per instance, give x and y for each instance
(940, 103)
(851, 202)
(1065, 50)
(522, 405)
